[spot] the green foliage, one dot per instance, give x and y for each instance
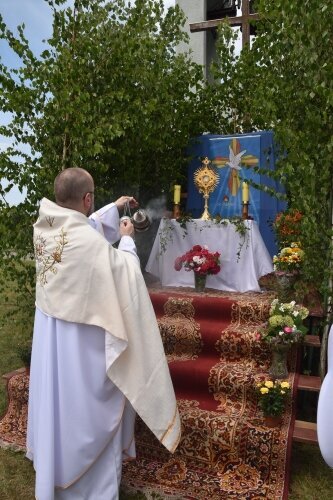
(109, 94)
(284, 83)
(24, 351)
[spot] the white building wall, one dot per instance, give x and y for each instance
(195, 12)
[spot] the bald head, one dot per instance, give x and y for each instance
(71, 187)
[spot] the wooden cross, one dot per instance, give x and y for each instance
(243, 21)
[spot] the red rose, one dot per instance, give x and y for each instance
(209, 266)
(178, 263)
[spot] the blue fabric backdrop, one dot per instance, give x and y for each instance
(234, 158)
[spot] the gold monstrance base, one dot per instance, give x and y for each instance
(205, 214)
(205, 179)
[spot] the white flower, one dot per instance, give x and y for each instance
(295, 313)
(198, 260)
(281, 333)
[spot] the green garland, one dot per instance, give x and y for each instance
(240, 227)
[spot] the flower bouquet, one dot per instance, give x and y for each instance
(289, 259)
(200, 260)
(284, 328)
(287, 266)
(287, 226)
(272, 396)
(285, 323)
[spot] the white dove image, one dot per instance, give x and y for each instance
(234, 160)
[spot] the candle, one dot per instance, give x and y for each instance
(245, 192)
(176, 194)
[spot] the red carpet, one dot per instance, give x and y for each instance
(226, 452)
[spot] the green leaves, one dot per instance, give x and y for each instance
(108, 93)
(284, 83)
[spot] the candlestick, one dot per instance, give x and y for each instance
(176, 194)
(245, 192)
(245, 210)
(176, 211)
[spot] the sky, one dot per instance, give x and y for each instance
(37, 17)
(36, 14)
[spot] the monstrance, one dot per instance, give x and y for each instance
(206, 180)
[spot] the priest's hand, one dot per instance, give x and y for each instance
(126, 228)
(123, 200)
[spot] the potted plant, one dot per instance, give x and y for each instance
(272, 397)
(287, 264)
(284, 328)
(202, 262)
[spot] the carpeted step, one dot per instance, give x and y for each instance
(189, 326)
(226, 451)
(193, 378)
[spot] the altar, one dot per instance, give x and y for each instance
(244, 257)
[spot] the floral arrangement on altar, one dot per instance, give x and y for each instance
(272, 396)
(285, 323)
(200, 260)
(289, 259)
(287, 226)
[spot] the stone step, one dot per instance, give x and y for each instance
(305, 432)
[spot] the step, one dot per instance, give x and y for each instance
(312, 341)
(309, 383)
(305, 432)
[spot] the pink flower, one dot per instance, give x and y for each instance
(287, 329)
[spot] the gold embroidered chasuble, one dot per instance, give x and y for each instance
(81, 278)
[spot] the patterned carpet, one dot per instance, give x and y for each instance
(226, 451)
(13, 425)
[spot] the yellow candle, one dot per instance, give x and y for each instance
(176, 194)
(245, 192)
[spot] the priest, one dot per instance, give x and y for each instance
(97, 356)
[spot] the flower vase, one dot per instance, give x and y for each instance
(200, 282)
(278, 368)
(286, 285)
(273, 420)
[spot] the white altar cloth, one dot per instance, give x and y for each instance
(238, 274)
